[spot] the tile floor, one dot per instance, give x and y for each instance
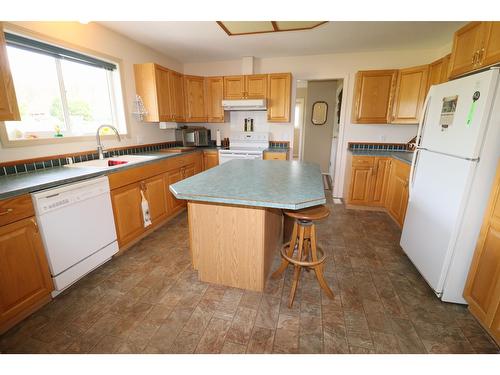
(150, 301)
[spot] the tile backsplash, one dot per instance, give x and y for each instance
(31, 165)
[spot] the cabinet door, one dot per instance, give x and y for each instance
(278, 100)
(380, 180)
(361, 179)
(210, 160)
(373, 95)
(234, 87)
(9, 110)
(489, 53)
(171, 177)
(256, 86)
(466, 45)
(438, 72)
(127, 211)
(163, 94)
(275, 156)
(194, 90)
(25, 281)
(482, 290)
(189, 170)
(397, 191)
(409, 98)
(214, 94)
(154, 190)
(177, 96)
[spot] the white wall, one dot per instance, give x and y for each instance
(331, 66)
(100, 39)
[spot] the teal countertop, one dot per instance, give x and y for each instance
(260, 183)
(24, 183)
(276, 149)
(404, 156)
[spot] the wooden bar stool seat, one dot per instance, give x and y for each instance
(308, 254)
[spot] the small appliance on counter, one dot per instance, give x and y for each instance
(193, 136)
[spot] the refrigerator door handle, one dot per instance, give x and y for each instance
(412, 172)
(422, 119)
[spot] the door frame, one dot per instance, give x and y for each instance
(301, 128)
(341, 153)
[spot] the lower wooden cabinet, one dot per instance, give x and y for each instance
(172, 177)
(154, 192)
(127, 211)
(379, 182)
(275, 155)
(210, 159)
(25, 282)
(397, 191)
(153, 181)
(482, 290)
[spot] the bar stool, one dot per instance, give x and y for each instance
(308, 254)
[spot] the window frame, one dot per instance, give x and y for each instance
(10, 143)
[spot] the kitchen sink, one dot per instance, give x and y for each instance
(114, 162)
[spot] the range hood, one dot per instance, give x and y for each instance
(244, 105)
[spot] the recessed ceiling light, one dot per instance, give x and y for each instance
(259, 27)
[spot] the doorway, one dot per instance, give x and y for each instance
(318, 140)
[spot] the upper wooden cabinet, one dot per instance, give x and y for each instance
(256, 86)
(214, 93)
(372, 96)
(438, 71)
(476, 45)
(234, 87)
(194, 90)
(245, 87)
(409, 96)
(9, 110)
(176, 90)
(278, 97)
(152, 85)
(482, 290)
(489, 53)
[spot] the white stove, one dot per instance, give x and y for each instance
(245, 145)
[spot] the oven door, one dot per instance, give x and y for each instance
(189, 138)
(225, 156)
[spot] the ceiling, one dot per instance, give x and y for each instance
(201, 41)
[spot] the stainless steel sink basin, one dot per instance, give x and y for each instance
(104, 163)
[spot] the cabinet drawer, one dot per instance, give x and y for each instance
(274, 155)
(363, 161)
(15, 209)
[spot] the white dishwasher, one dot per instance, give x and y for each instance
(77, 228)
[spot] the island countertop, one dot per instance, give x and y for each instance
(259, 183)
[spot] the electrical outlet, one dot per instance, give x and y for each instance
(382, 138)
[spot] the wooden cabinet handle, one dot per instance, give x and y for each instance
(7, 211)
(480, 56)
(35, 224)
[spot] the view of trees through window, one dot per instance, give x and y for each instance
(59, 98)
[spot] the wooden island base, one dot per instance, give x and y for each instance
(234, 245)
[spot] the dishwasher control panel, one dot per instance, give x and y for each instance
(53, 199)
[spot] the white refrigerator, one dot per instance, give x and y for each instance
(450, 180)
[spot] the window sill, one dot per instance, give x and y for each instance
(9, 143)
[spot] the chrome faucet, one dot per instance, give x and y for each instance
(100, 149)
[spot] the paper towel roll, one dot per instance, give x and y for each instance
(217, 139)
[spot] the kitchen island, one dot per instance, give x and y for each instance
(235, 218)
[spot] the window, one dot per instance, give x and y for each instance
(61, 93)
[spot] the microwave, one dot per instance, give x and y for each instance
(193, 136)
